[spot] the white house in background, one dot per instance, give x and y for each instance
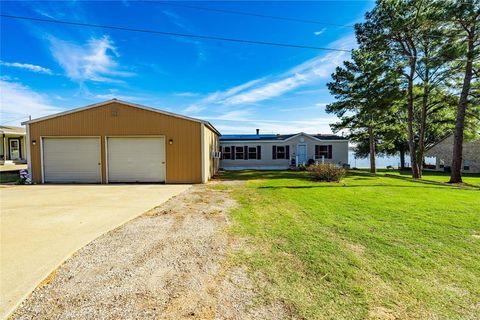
(281, 151)
(12, 146)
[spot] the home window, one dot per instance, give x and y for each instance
(252, 153)
(239, 152)
(323, 151)
(466, 165)
(227, 153)
(280, 152)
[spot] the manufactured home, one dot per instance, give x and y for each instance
(281, 151)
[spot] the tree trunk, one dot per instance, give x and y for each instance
(410, 119)
(456, 174)
(402, 159)
(371, 138)
(423, 122)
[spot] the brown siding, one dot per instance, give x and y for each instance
(211, 144)
(184, 156)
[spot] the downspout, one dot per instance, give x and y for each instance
(204, 160)
(27, 145)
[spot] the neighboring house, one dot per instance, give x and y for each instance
(117, 141)
(275, 151)
(12, 146)
(443, 153)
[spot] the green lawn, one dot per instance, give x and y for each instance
(372, 246)
(9, 176)
(471, 179)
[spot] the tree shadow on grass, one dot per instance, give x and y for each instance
(430, 182)
(362, 186)
(262, 175)
(353, 175)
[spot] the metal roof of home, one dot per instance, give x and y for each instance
(12, 130)
(275, 137)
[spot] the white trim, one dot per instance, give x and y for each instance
(137, 136)
(273, 141)
(29, 152)
(41, 160)
(139, 106)
(106, 160)
(202, 132)
(67, 137)
(13, 133)
(10, 148)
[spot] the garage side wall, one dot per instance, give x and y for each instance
(211, 148)
(183, 156)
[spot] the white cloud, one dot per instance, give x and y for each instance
(27, 66)
(17, 102)
(312, 126)
(268, 90)
(272, 86)
(187, 94)
(236, 115)
(319, 32)
(219, 96)
(94, 60)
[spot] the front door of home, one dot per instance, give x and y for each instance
(302, 154)
(14, 145)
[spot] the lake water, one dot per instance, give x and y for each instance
(382, 162)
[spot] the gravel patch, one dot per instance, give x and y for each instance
(169, 263)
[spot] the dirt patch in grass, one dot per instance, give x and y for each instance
(170, 263)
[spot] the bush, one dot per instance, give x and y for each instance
(326, 172)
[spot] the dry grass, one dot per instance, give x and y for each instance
(170, 263)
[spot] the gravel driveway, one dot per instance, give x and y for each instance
(170, 263)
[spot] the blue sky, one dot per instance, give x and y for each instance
(47, 68)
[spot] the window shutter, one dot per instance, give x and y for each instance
(287, 152)
(232, 152)
(245, 153)
(274, 152)
(259, 152)
(317, 151)
(329, 151)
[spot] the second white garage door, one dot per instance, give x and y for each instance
(136, 159)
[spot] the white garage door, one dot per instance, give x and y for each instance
(72, 160)
(139, 159)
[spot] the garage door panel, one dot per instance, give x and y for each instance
(72, 160)
(136, 159)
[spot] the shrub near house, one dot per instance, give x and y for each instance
(326, 172)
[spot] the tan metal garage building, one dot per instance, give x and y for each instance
(118, 141)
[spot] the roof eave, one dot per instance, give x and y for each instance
(124, 103)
